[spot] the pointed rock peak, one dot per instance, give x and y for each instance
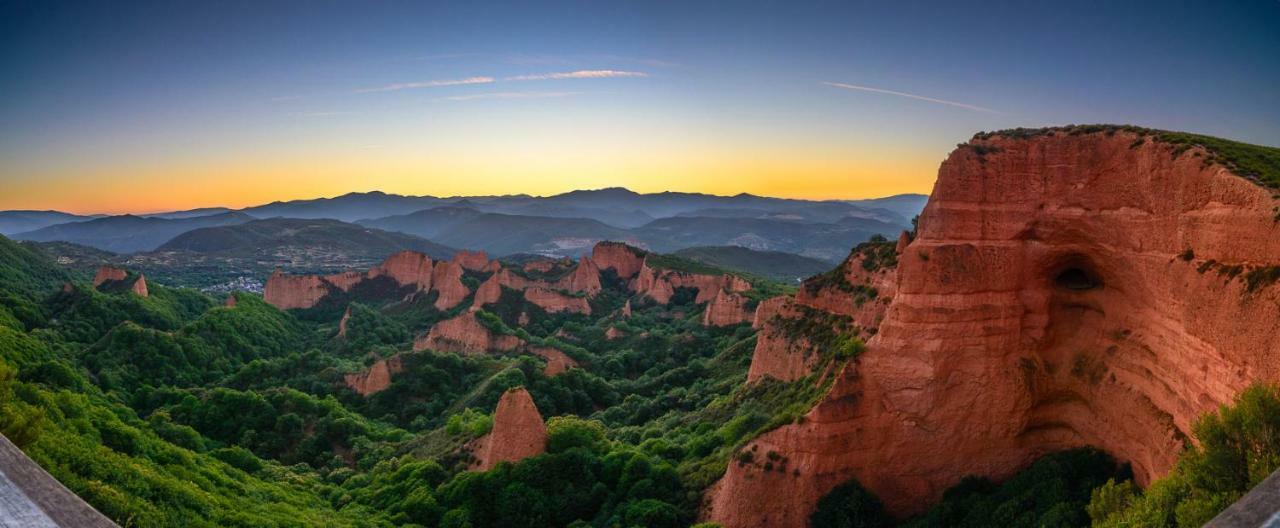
(518, 431)
(140, 286)
(231, 301)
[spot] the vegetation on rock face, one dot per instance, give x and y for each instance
(1237, 447)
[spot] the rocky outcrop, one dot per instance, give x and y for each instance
(465, 334)
(850, 299)
(295, 291)
(726, 309)
(518, 432)
(585, 278)
(1063, 289)
(555, 302)
(557, 360)
(139, 286)
(230, 302)
(447, 281)
(621, 258)
(660, 284)
(411, 270)
(471, 260)
(113, 279)
(614, 333)
(625, 312)
(109, 274)
(408, 268)
(376, 378)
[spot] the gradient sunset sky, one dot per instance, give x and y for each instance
(132, 107)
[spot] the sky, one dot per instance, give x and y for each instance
(112, 107)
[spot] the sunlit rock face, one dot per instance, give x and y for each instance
(1048, 301)
(518, 432)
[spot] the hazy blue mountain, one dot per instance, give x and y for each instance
(905, 205)
(22, 221)
(128, 233)
(190, 213)
(427, 223)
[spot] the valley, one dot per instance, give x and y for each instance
(1070, 352)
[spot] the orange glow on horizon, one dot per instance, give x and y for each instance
(246, 183)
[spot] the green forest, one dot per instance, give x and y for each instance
(178, 410)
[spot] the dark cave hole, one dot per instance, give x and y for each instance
(1077, 279)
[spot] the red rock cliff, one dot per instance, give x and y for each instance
(464, 335)
(621, 258)
(376, 378)
(108, 274)
(518, 432)
(1048, 301)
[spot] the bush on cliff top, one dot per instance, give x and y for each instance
(1258, 163)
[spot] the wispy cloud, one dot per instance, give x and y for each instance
(965, 106)
(508, 95)
(428, 84)
(580, 74)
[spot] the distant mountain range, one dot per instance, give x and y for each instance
(20, 221)
(564, 224)
(128, 233)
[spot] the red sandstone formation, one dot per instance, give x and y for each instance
(230, 302)
(621, 258)
(660, 284)
(851, 290)
(471, 260)
(556, 302)
(1047, 302)
(376, 378)
(518, 432)
(464, 335)
(626, 310)
(585, 278)
(109, 274)
(557, 361)
(407, 268)
(447, 280)
(295, 291)
(613, 333)
(140, 286)
(726, 309)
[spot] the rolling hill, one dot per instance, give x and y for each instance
(787, 268)
(279, 236)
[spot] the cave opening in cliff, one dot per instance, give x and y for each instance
(1076, 278)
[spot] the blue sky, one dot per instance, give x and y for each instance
(231, 103)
